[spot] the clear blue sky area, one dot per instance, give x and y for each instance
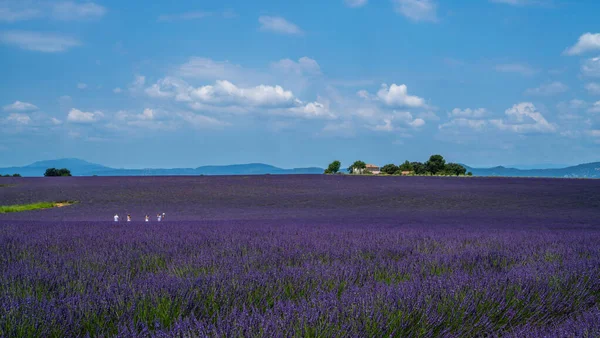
(300, 83)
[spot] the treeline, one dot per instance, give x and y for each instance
(13, 175)
(57, 172)
(436, 165)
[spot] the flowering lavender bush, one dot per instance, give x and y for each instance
(302, 256)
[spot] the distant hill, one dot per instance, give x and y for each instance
(587, 170)
(83, 168)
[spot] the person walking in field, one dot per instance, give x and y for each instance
(158, 217)
(147, 218)
(163, 216)
(128, 218)
(116, 218)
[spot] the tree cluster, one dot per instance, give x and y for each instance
(13, 175)
(57, 172)
(436, 165)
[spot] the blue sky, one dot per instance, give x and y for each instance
(300, 83)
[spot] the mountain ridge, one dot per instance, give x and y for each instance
(81, 167)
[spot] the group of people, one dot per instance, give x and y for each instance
(159, 217)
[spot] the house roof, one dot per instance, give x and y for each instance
(372, 166)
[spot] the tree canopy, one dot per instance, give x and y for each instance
(333, 168)
(357, 167)
(389, 169)
(57, 172)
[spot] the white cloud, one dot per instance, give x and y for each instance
(587, 42)
(356, 3)
(313, 110)
(81, 85)
(548, 89)
(591, 67)
(183, 16)
(417, 10)
(522, 2)
(524, 118)
(225, 92)
(117, 90)
(73, 11)
(55, 121)
(390, 122)
(397, 96)
(138, 83)
(40, 42)
(305, 65)
(468, 113)
(279, 25)
(570, 110)
(462, 122)
(595, 108)
(594, 132)
(19, 118)
(21, 10)
(207, 69)
(195, 16)
(20, 106)
(516, 68)
(78, 116)
(593, 88)
(202, 121)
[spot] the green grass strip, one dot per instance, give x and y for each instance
(33, 206)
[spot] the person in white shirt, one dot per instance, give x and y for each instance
(147, 218)
(163, 216)
(116, 218)
(128, 218)
(158, 217)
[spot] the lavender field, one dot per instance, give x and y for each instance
(301, 256)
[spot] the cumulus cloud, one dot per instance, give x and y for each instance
(74, 11)
(595, 108)
(305, 65)
(517, 68)
(20, 107)
(18, 118)
(277, 24)
(417, 10)
(21, 10)
(202, 121)
(586, 43)
(524, 118)
(39, 42)
(548, 89)
(462, 122)
(468, 113)
(78, 116)
(522, 2)
(591, 67)
(356, 3)
(397, 120)
(225, 92)
(593, 88)
(313, 110)
(396, 96)
(207, 69)
(137, 84)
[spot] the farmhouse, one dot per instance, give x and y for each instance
(406, 173)
(373, 169)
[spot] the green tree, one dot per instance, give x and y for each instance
(455, 169)
(53, 172)
(469, 174)
(357, 167)
(419, 168)
(333, 168)
(436, 164)
(16, 175)
(406, 166)
(389, 169)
